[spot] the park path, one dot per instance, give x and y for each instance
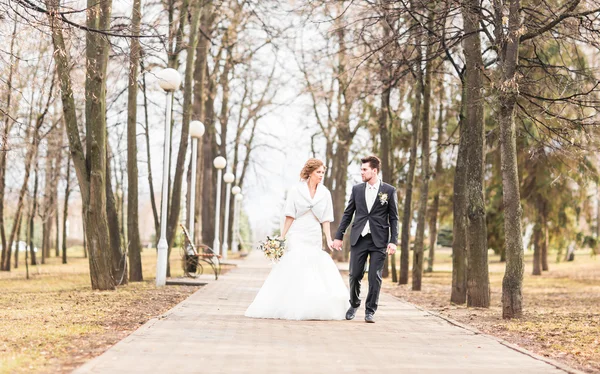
(208, 333)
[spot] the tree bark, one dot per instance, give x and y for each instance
(385, 153)
(199, 99)
(134, 246)
(418, 250)
(459, 224)
(90, 170)
(8, 122)
(148, 156)
(344, 134)
(29, 157)
(478, 285)
(412, 163)
(545, 243)
(537, 255)
(175, 206)
(66, 210)
(512, 283)
(32, 219)
(119, 262)
(19, 236)
(208, 177)
(435, 206)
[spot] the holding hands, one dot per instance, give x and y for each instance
(337, 245)
(391, 248)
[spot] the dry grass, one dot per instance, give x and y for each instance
(54, 322)
(561, 319)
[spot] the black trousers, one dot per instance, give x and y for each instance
(358, 258)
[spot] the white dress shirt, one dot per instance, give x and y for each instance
(370, 196)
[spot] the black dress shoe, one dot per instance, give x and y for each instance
(351, 313)
(369, 318)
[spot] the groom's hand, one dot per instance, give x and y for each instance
(337, 244)
(391, 248)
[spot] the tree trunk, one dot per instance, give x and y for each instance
(57, 225)
(344, 135)
(199, 100)
(512, 283)
(175, 206)
(537, 255)
(228, 41)
(544, 253)
(459, 224)
(46, 221)
(435, 206)
(29, 157)
(385, 153)
(134, 246)
(208, 177)
(91, 169)
(341, 178)
(66, 211)
(85, 248)
(32, 218)
(48, 200)
(478, 285)
(119, 262)
(6, 131)
(148, 157)
(98, 231)
(19, 236)
(418, 251)
(412, 163)
(597, 210)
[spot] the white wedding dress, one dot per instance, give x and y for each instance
(305, 284)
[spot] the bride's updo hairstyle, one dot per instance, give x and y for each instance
(311, 165)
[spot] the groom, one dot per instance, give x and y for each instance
(374, 232)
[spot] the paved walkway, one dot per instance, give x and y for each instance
(208, 333)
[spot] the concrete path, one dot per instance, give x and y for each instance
(208, 333)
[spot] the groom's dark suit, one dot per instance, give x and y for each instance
(383, 227)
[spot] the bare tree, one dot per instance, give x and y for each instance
(91, 167)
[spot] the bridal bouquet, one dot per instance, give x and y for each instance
(273, 248)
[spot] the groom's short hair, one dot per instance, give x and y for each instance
(373, 161)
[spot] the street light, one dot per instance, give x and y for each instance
(219, 163)
(228, 178)
(169, 80)
(196, 132)
(234, 243)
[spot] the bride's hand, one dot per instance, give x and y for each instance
(330, 245)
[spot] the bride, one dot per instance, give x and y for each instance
(305, 284)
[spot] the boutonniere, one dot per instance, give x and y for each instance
(383, 198)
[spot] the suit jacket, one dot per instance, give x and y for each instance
(383, 217)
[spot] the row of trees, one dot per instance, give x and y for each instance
(503, 94)
(65, 91)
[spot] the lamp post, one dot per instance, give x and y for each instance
(219, 163)
(228, 178)
(234, 243)
(196, 132)
(169, 80)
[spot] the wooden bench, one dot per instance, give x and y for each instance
(194, 257)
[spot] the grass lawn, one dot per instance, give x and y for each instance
(54, 322)
(562, 307)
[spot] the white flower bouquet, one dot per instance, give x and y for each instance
(273, 248)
